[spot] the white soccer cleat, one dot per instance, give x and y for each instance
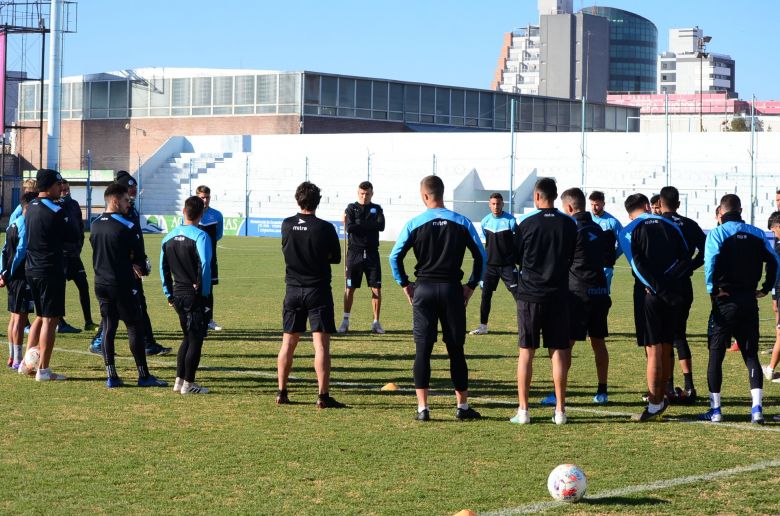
(559, 418)
(192, 388)
(213, 326)
(48, 376)
(769, 373)
(521, 418)
(377, 328)
(177, 384)
(482, 329)
(344, 328)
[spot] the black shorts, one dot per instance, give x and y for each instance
(549, 320)
(435, 303)
(734, 316)
(682, 312)
(119, 303)
(20, 299)
(588, 316)
(654, 318)
(314, 303)
(48, 295)
(363, 262)
(74, 267)
(494, 273)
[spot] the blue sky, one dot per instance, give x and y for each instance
(453, 42)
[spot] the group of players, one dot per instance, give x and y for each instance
(558, 266)
(43, 242)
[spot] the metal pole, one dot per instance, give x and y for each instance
(434, 164)
(306, 169)
(55, 87)
(246, 192)
(368, 167)
(582, 148)
(668, 166)
(753, 185)
(701, 89)
(512, 108)
(140, 182)
(89, 189)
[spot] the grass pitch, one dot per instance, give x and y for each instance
(76, 447)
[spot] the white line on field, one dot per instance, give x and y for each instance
(642, 488)
(598, 412)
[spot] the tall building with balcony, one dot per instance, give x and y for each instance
(687, 68)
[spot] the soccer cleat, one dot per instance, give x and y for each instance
(192, 388)
(713, 416)
(344, 328)
(48, 376)
(647, 416)
(113, 382)
(521, 418)
(467, 414)
(15, 366)
(156, 349)
(482, 329)
(282, 398)
(152, 381)
(64, 327)
(601, 398)
(177, 385)
(328, 402)
(213, 326)
(757, 415)
(97, 346)
(646, 397)
(769, 373)
(549, 401)
(377, 328)
(27, 329)
(10, 361)
(424, 415)
(559, 418)
(90, 326)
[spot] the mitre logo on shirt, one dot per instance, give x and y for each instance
(439, 222)
(299, 227)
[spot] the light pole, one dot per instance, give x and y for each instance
(133, 127)
(701, 45)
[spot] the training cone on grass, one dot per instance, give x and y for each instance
(466, 512)
(389, 387)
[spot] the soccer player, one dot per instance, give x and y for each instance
(611, 227)
(114, 244)
(694, 238)
(655, 204)
(498, 228)
(769, 370)
(439, 238)
(74, 268)
(213, 224)
(47, 229)
(734, 256)
(589, 300)
(20, 302)
(364, 221)
(152, 347)
(544, 247)
(777, 200)
(310, 245)
(658, 254)
(28, 185)
(185, 270)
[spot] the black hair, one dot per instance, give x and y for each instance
(308, 196)
(547, 188)
(635, 202)
(575, 197)
(193, 208)
(433, 186)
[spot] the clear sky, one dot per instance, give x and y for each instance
(452, 42)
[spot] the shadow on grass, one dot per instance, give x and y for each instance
(624, 500)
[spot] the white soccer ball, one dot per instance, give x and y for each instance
(567, 483)
(31, 359)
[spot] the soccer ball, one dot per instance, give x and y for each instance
(30, 363)
(567, 483)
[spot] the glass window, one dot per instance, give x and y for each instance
(472, 108)
(442, 101)
(244, 90)
(181, 92)
(363, 94)
(66, 101)
(380, 96)
(329, 92)
(117, 99)
(427, 100)
(289, 91)
(563, 116)
(575, 117)
(486, 105)
(266, 89)
(98, 100)
(223, 91)
(346, 92)
(412, 99)
(502, 106)
(311, 89)
(539, 106)
(78, 98)
(139, 98)
(457, 102)
(160, 97)
(396, 98)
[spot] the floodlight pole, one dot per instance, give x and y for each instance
(753, 182)
(55, 87)
(582, 147)
(512, 107)
(668, 164)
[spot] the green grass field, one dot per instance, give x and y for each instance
(76, 447)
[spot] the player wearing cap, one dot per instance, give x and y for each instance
(47, 229)
(310, 245)
(185, 270)
(152, 347)
(544, 247)
(20, 302)
(439, 238)
(611, 227)
(734, 255)
(74, 268)
(498, 228)
(114, 244)
(659, 258)
(364, 221)
(213, 224)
